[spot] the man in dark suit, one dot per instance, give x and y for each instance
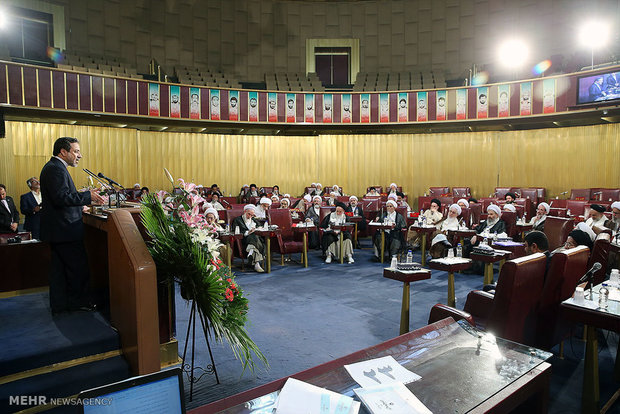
(30, 205)
(62, 227)
(9, 217)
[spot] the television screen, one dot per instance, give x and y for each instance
(161, 392)
(599, 88)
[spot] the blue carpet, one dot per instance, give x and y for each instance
(31, 338)
(304, 317)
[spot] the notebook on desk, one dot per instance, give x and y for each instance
(157, 393)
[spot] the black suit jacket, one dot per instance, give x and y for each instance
(7, 217)
(61, 213)
(358, 212)
(32, 221)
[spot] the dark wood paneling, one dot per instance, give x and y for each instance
(393, 100)
(30, 86)
(374, 107)
(132, 97)
(143, 98)
(337, 108)
(72, 90)
(514, 99)
(15, 85)
(243, 106)
(85, 92)
(164, 100)
(262, 106)
(413, 106)
(431, 104)
(45, 88)
(121, 96)
(204, 103)
(318, 108)
(97, 100)
(300, 101)
(109, 95)
(472, 98)
(281, 105)
(223, 105)
(355, 107)
(3, 92)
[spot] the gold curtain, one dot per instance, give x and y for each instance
(558, 159)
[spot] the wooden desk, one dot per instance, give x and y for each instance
(523, 227)
(498, 256)
(593, 319)
(450, 266)
(452, 362)
(461, 235)
(355, 220)
(425, 230)
(406, 277)
(267, 234)
(25, 266)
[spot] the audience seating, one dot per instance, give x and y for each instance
(287, 240)
(576, 207)
(557, 229)
(511, 312)
(383, 81)
(111, 66)
(461, 192)
(609, 194)
(564, 272)
(205, 77)
(500, 192)
(476, 213)
(376, 187)
(600, 253)
(438, 191)
(583, 194)
(293, 81)
(510, 219)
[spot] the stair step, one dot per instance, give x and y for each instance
(65, 383)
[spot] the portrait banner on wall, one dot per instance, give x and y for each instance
(525, 99)
(233, 105)
(214, 96)
(548, 96)
(503, 100)
(461, 103)
(272, 107)
(153, 99)
(365, 108)
(175, 101)
(442, 104)
(482, 102)
(346, 116)
(422, 107)
(194, 102)
(384, 105)
(327, 108)
(290, 107)
(403, 107)
(309, 108)
(253, 106)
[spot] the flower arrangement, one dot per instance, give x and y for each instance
(185, 251)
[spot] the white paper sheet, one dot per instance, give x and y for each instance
(391, 398)
(380, 371)
(298, 397)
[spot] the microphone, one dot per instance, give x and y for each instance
(227, 203)
(565, 192)
(111, 181)
(368, 205)
(92, 174)
(588, 275)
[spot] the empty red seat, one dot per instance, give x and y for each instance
(557, 229)
(582, 194)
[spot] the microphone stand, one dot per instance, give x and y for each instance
(107, 185)
(116, 192)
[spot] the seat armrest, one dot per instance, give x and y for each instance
(479, 304)
(441, 311)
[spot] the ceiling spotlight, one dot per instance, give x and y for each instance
(513, 53)
(594, 34)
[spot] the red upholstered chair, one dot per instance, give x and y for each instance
(266, 190)
(441, 311)
(600, 253)
(438, 191)
(558, 212)
(610, 194)
(557, 229)
(558, 203)
(371, 207)
(576, 207)
(529, 193)
(510, 219)
(424, 202)
(476, 213)
(526, 205)
(512, 312)
(461, 192)
(288, 242)
(542, 193)
(466, 216)
(582, 194)
(446, 201)
(343, 199)
(487, 201)
(221, 215)
(500, 192)
(564, 272)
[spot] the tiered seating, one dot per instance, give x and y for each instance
(293, 82)
(206, 77)
(383, 81)
(98, 64)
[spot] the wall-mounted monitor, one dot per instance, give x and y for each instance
(601, 87)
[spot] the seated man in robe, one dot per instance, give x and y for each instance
(215, 189)
(393, 189)
(492, 225)
(252, 192)
(538, 221)
(614, 222)
(285, 203)
(356, 209)
(331, 238)
(304, 203)
(451, 222)
(463, 203)
(336, 191)
(432, 216)
(394, 240)
(215, 202)
(331, 201)
(400, 200)
(510, 207)
(318, 190)
(510, 198)
(313, 213)
(372, 192)
(597, 219)
(275, 190)
(214, 227)
(243, 192)
(252, 243)
(262, 208)
(275, 198)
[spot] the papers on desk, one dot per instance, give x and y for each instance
(452, 260)
(391, 398)
(297, 397)
(380, 371)
(507, 243)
